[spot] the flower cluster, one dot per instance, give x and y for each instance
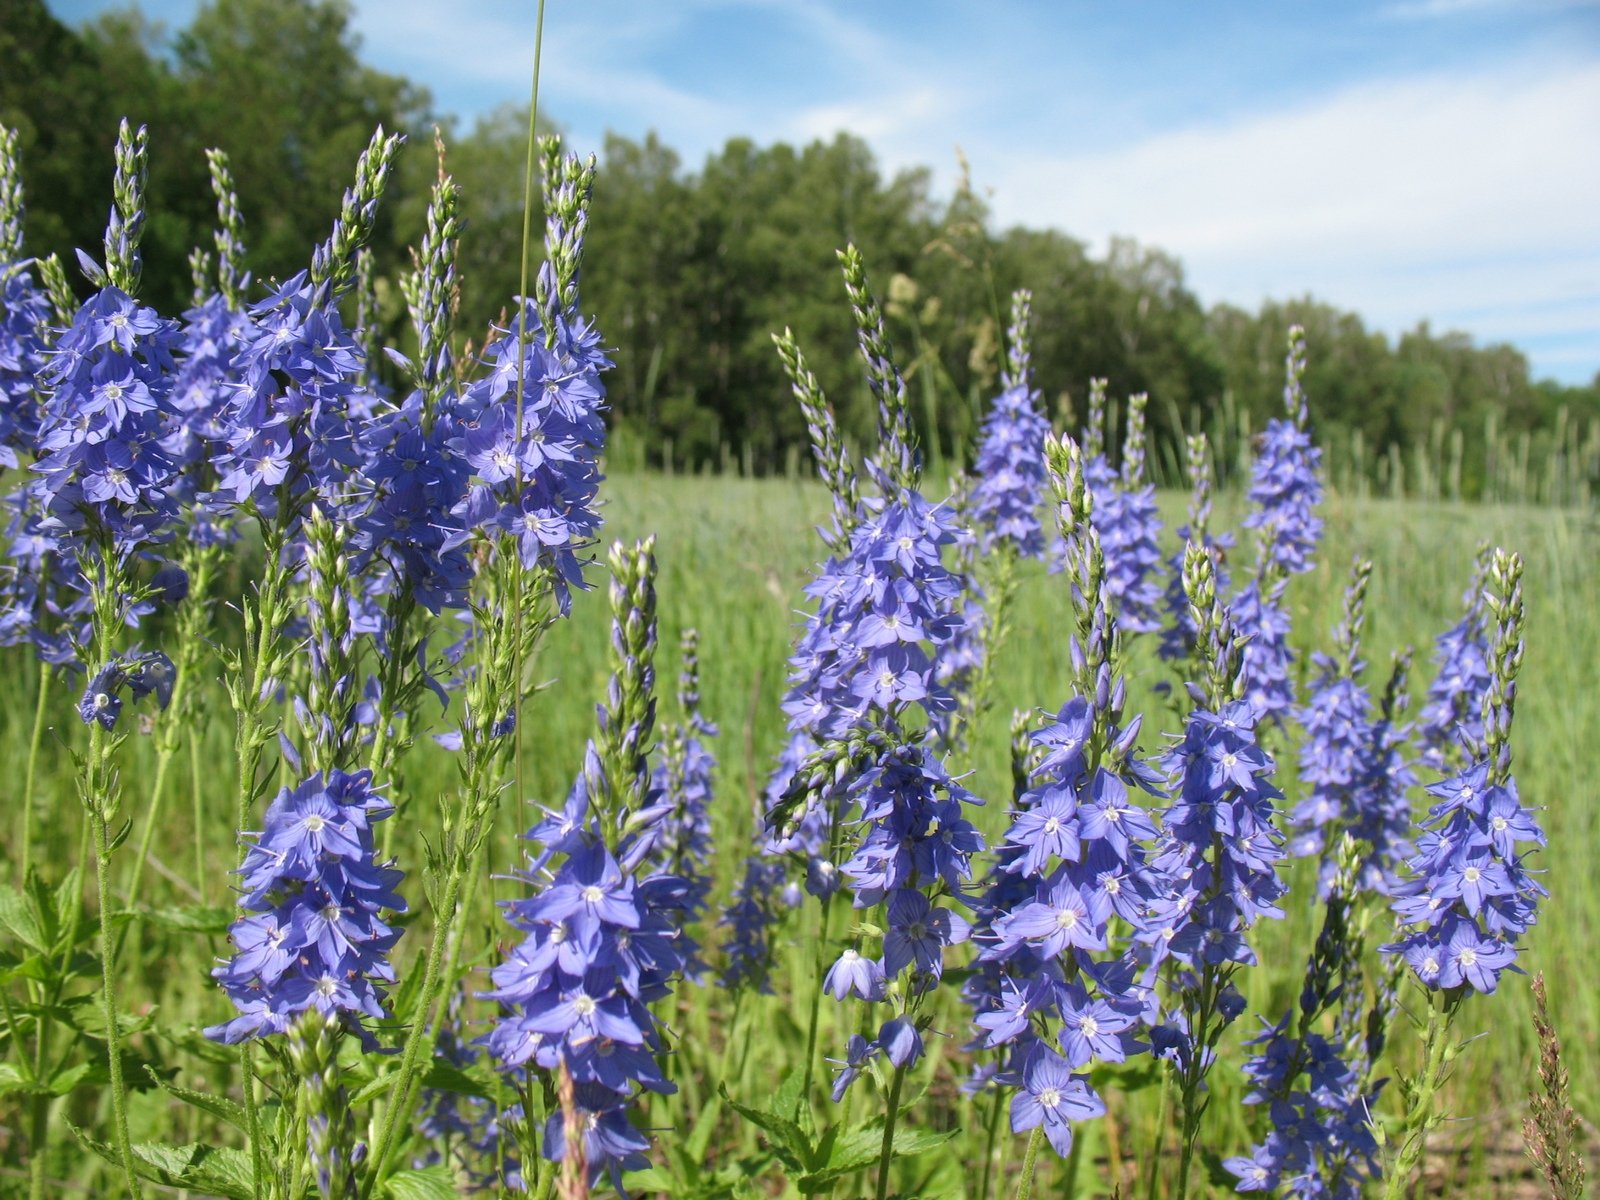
(103, 476)
(1220, 849)
(531, 431)
(24, 313)
(1010, 463)
(1318, 1087)
(600, 944)
(1260, 615)
(313, 890)
(147, 674)
(1052, 988)
(1179, 634)
(1452, 715)
(1066, 995)
(1468, 897)
(1125, 518)
(1284, 485)
(862, 656)
(683, 778)
(917, 850)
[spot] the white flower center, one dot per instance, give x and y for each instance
(1050, 1098)
(592, 894)
(1088, 1026)
(1467, 958)
(583, 1005)
(315, 823)
(1067, 919)
(1052, 826)
(1472, 874)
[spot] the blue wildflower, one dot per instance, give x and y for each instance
(312, 891)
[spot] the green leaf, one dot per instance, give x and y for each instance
(428, 1183)
(376, 1088)
(211, 1170)
(863, 1145)
(35, 967)
(705, 1125)
(21, 920)
(787, 1102)
(443, 1077)
(650, 1179)
(13, 1080)
(217, 1106)
(193, 918)
(788, 1139)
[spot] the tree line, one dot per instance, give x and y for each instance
(689, 270)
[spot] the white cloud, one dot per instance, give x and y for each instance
(1434, 196)
(1426, 9)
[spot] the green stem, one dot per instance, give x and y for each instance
(158, 791)
(995, 1113)
(33, 761)
(248, 742)
(199, 816)
(421, 1034)
(1158, 1147)
(1419, 1115)
(886, 1155)
(1069, 1189)
(821, 966)
(38, 1105)
(1029, 1159)
(108, 991)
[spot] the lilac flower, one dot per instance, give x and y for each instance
(1284, 485)
(312, 889)
(1453, 713)
(1220, 848)
(1126, 520)
(601, 943)
(749, 917)
(1178, 636)
(1054, 1097)
(1259, 615)
(1010, 463)
(1468, 897)
(1319, 1090)
(536, 462)
(143, 675)
(1073, 859)
(683, 776)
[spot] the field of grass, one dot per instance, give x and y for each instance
(734, 555)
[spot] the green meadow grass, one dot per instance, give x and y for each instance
(733, 557)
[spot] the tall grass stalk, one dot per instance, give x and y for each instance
(35, 739)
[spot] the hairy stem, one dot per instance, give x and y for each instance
(1029, 1160)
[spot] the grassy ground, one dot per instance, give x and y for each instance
(734, 555)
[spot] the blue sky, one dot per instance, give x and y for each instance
(1407, 159)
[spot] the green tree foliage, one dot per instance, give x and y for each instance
(690, 270)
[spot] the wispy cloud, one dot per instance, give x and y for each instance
(1450, 195)
(1411, 10)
